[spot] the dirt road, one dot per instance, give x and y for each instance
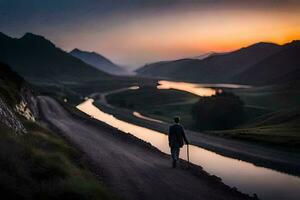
(130, 167)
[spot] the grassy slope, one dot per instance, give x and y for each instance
(272, 97)
(10, 84)
(40, 165)
(284, 135)
(280, 128)
(159, 104)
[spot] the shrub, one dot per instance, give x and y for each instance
(221, 111)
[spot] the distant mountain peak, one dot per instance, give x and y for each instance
(265, 43)
(98, 61)
(2, 35)
(75, 50)
(261, 45)
(35, 57)
(293, 43)
(36, 39)
(90, 53)
(31, 35)
(296, 41)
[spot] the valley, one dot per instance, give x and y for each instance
(128, 116)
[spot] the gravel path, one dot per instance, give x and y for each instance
(130, 167)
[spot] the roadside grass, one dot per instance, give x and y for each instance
(41, 165)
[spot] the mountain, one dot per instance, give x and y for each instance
(166, 69)
(215, 68)
(206, 55)
(99, 62)
(36, 58)
(280, 67)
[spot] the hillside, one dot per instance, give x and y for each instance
(36, 58)
(215, 68)
(280, 67)
(35, 162)
(99, 62)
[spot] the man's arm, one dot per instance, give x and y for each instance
(184, 136)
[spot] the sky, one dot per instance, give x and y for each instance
(135, 32)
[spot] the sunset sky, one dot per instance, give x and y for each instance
(135, 32)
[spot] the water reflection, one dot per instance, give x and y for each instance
(139, 115)
(268, 184)
(195, 88)
(134, 87)
(188, 87)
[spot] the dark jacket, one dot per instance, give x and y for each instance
(176, 136)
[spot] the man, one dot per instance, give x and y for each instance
(176, 137)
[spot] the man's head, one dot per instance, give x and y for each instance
(177, 119)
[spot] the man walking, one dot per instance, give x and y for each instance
(176, 137)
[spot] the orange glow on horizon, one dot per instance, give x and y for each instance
(149, 38)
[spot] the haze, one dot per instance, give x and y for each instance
(133, 33)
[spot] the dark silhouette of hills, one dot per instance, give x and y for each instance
(98, 61)
(167, 69)
(283, 66)
(206, 55)
(9, 76)
(261, 63)
(36, 58)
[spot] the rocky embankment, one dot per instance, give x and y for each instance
(9, 118)
(16, 100)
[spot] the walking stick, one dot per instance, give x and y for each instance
(188, 155)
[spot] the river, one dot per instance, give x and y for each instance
(197, 88)
(266, 183)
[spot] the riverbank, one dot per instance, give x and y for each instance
(236, 173)
(259, 155)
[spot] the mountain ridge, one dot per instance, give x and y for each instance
(35, 57)
(274, 68)
(98, 61)
(217, 68)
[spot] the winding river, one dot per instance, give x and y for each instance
(266, 183)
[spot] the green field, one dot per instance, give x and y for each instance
(272, 112)
(158, 104)
(281, 128)
(165, 104)
(272, 98)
